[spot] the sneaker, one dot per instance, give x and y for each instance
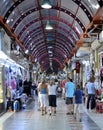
(54, 112)
(68, 113)
(80, 120)
(45, 112)
(42, 114)
(39, 109)
(72, 113)
(49, 114)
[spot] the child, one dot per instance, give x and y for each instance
(78, 108)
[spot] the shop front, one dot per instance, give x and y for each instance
(10, 72)
(2, 90)
(4, 50)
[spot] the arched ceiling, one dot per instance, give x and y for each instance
(26, 20)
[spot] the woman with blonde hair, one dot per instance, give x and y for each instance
(43, 95)
(52, 96)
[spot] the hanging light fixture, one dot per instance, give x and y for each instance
(26, 51)
(46, 4)
(48, 26)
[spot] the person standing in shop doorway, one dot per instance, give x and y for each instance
(69, 88)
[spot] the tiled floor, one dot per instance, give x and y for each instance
(31, 119)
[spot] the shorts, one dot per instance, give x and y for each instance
(52, 100)
(63, 91)
(78, 108)
(69, 100)
(43, 100)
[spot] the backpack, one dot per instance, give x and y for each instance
(59, 89)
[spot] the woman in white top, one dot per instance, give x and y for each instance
(52, 96)
(90, 88)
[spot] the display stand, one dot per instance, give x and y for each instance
(2, 106)
(99, 107)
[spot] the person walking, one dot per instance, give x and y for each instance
(63, 87)
(33, 90)
(52, 96)
(43, 95)
(78, 100)
(59, 89)
(69, 88)
(90, 89)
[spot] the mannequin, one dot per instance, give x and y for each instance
(13, 87)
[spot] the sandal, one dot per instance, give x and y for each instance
(68, 113)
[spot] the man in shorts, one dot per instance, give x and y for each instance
(69, 88)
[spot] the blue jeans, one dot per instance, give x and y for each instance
(91, 101)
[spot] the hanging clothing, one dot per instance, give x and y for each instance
(101, 75)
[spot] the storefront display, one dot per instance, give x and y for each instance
(1, 90)
(10, 72)
(100, 68)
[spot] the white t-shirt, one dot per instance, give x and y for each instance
(52, 89)
(90, 88)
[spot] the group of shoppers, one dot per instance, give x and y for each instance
(72, 93)
(74, 97)
(47, 92)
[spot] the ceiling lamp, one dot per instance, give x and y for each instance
(50, 52)
(50, 55)
(46, 4)
(26, 51)
(48, 26)
(50, 47)
(50, 58)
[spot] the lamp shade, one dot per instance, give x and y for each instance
(48, 26)
(26, 51)
(46, 4)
